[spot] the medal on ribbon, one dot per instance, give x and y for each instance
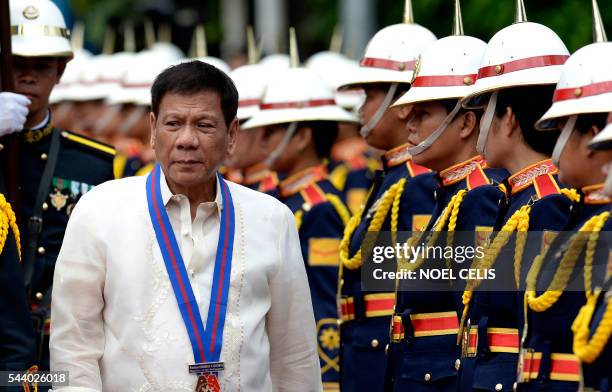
(206, 343)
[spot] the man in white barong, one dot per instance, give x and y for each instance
(180, 280)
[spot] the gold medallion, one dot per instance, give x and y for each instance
(30, 12)
(58, 199)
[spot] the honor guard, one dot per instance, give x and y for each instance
(550, 355)
(17, 342)
(593, 327)
(299, 117)
(248, 157)
(518, 74)
(400, 199)
(353, 162)
(56, 167)
(423, 354)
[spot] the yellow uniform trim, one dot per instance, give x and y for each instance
(89, 143)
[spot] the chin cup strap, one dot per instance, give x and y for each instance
(431, 139)
(485, 124)
(567, 131)
(367, 129)
(282, 145)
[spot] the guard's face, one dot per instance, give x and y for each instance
(190, 137)
(579, 166)
(35, 78)
(386, 133)
(248, 149)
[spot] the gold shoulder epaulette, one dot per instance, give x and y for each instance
(85, 141)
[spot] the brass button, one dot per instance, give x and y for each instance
(514, 386)
(401, 66)
(39, 296)
(1, 147)
(387, 349)
(468, 80)
(374, 343)
(41, 250)
(45, 206)
(457, 364)
(498, 387)
(498, 69)
(427, 377)
(578, 92)
(43, 156)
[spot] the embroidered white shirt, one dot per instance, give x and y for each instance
(116, 324)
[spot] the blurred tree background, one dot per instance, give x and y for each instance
(315, 20)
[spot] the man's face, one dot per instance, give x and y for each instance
(190, 137)
(35, 78)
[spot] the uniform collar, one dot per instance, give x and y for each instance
(38, 132)
(168, 196)
(461, 170)
(397, 156)
(525, 177)
(255, 173)
(302, 179)
(594, 194)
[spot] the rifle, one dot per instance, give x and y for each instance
(11, 168)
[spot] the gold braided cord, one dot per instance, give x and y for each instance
(390, 198)
(571, 194)
(298, 218)
(449, 214)
(519, 221)
(339, 206)
(8, 220)
(588, 350)
(588, 232)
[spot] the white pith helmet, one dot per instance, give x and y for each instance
(251, 81)
(522, 54)
(38, 29)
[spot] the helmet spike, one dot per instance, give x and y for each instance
(149, 33)
(129, 38)
(458, 19)
(599, 32)
(408, 14)
(108, 46)
(293, 49)
(77, 38)
(165, 33)
(335, 44)
(252, 51)
(521, 15)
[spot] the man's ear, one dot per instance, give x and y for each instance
(61, 67)
(152, 121)
(469, 125)
(510, 122)
(592, 132)
(232, 134)
(404, 112)
(302, 138)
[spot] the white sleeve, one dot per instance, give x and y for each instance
(294, 363)
(77, 333)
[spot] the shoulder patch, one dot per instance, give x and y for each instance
(323, 252)
(312, 196)
(90, 143)
(420, 222)
(546, 185)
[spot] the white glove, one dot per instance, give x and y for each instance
(13, 112)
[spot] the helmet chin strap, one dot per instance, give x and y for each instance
(485, 124)
(282, 145)
(132, 119)
(366, 130)
(567, 131)
(431, 139)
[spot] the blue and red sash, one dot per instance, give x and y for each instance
(206, 343)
